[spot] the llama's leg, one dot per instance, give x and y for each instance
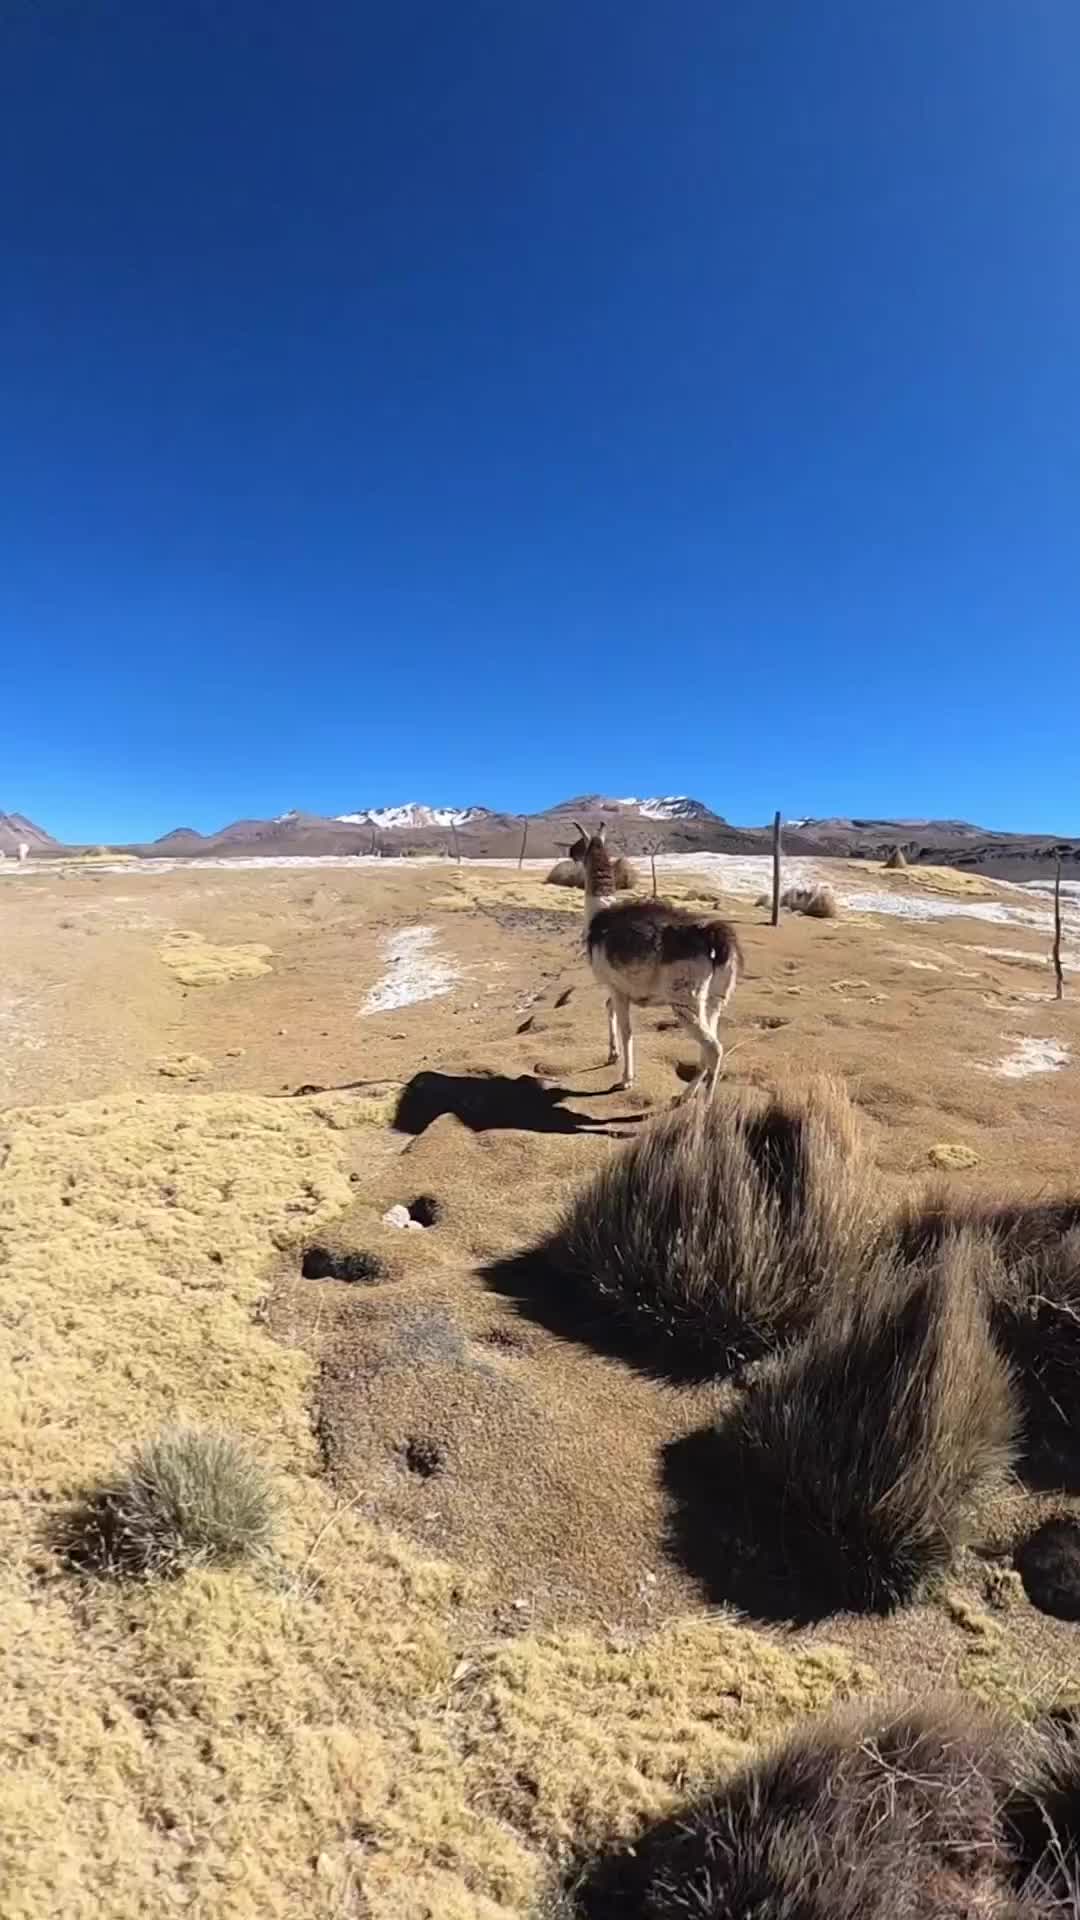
(716, 1001)
(626, 1039)
(612, 1033)
(696, 1016)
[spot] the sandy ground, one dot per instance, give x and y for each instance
(482, 1647)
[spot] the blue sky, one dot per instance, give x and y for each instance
(496, 399)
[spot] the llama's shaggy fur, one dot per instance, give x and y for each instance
(817, 902)
(571, 873)
(649, 953)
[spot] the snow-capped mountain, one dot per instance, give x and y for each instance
(674, 806)
(413, 814)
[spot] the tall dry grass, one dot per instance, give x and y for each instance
(865, 1446)
(722, 1227)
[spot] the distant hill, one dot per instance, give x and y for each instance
(16, 829)
(673, 823)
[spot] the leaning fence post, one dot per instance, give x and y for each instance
(1059, 991)
(777, 849)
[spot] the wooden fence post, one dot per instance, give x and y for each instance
(777, 849)
(524, 842)
(457, 849)
(1059, 991)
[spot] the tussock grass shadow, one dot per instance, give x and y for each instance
(487, 1102)
(541, 1291)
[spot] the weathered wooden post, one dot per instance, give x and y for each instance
(524, 842)
(1059, 991)
(777, 850)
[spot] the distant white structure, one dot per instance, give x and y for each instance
(24, 851)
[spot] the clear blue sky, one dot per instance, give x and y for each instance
(490, 399)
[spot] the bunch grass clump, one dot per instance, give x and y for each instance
(857, 1818)
(191, 1497)
(863, 1449)
(1027, 1258)
(722, 1227)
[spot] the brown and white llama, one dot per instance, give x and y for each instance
(649, 953)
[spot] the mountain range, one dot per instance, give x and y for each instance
(672, 823)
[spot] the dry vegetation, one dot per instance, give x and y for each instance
(187, 1499)
(869, 1444)
(934, 1812)
(417, 1618)
(723, 1225)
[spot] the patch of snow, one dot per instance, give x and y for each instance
(1029, 1055)
(413, 972)
(925, 966)
(413, 814)
(672, 806)
(285, 819)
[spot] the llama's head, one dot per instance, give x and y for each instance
(585, 845)
(591, 853)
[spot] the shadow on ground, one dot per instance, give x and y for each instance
(487, 1101)
(540, 1291)
(728, 1531)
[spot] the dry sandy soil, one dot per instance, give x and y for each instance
(482, 1643)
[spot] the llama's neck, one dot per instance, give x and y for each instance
(599, 882)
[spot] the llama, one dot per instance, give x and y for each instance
(648, 953)
(23, 851)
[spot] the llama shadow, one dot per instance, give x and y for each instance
(542, 1291)
(728, 1531)
(486, 1102)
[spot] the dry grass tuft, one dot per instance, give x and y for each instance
(896, 860)
(183, 1066)
(189, 1498)
(867, 1444)
(817, 902)
(196, 963)
(718, 1230)
(1043, 1819)
(855, 1819)
(1028, 1263)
